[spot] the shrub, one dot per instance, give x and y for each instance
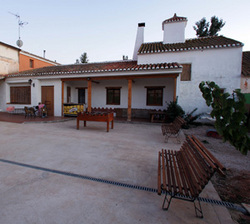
(229, 112)
(174, 110)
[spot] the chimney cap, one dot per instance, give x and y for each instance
(141, 24)
(175, 18)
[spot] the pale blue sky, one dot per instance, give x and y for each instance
(106, 29)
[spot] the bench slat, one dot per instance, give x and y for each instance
(168, 183)
(177, 173)
(193, 171)
(171, 161)
(159, 174)
(200, 168)
(182, 176)
(163, 170)
(191, 182)
(209, 155)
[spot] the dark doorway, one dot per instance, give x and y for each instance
(81, 95)
(68, 94)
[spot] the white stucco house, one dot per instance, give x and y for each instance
(158, 73)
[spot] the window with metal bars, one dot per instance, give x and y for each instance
(20, 95)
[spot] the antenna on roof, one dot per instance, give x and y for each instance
(20, 24)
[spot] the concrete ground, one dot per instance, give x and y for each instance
(127, 154)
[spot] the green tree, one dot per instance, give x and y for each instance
(84, 58)
(204, 28)
(229, 112)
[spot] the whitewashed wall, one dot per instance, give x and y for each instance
(9, 60)
(2, 95)
(220, 65)
(35, 92)
(174, 32)
(139, 92)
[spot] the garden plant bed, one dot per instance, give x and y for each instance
(234, 187)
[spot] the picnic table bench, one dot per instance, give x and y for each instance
(173, 129)
(102, 117)
(184, 174)
(157, 116)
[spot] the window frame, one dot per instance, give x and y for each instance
(154, 88)
(31, 63)
(18, 95)
(113, 89)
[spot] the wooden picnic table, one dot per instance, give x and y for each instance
(101, 117)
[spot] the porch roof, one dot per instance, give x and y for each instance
(201, 43)
(246, 63)
(94, 68)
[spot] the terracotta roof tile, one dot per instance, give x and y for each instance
(190, 45)
(175, 18)
(246, 63)
(90, 68)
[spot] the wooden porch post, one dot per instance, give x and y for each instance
(129, 99)
(89, 95)
(175, 83)
(62, 96)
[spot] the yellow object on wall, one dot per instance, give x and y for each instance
(72, 109)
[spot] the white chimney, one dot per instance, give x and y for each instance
(139, 39)
(174, 30)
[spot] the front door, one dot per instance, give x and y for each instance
(48, 99)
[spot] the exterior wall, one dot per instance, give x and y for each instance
(38, 62)
(35, 92)
(98, 92)
(174, 32)
(16, 82)
(245, 84)
(138, 92)
(9, 61)
(222, 66)
(2, 95)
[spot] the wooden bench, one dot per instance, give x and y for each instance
(183, 174)
(157, 116)
(173, 129)
(102, 117)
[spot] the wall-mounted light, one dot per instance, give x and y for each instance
(33, 84)
(30, 81)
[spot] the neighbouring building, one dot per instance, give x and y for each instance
(14, 60)
(158, 74)
(9, 59)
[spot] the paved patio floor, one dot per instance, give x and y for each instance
(127, 154)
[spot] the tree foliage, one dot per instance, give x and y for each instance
(204, 28)
(84, 58)
(229, 112)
